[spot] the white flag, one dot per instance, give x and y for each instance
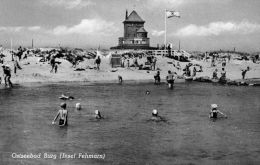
(170, 14)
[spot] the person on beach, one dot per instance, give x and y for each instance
(55, 67)
(224, 62)
(222, 78)
(157, 78)
(205, 56)
(244, 72)
(170, 79)
(98, 61)
(178, 65)
(215, 74)
(128, 62)
(52, 62)
(213, 60)
(98, 115)
(154, 62)
(123, 62)
(16, 66)
(63, 114)
(120, 79)
(214, 112)
(7, 75)
(194, 71)
(1, 58)
(135, 62)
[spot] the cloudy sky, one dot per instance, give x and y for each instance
(204, 24)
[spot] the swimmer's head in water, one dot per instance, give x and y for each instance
(97, 112)
(63, 105)
(214, 106)
(155, 112)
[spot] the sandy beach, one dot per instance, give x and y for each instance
(34, 71)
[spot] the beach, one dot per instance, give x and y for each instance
(34, 71)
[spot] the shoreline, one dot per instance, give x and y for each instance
(140, 81)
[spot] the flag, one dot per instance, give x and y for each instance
(170, 14)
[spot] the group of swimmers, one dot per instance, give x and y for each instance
(63, 114)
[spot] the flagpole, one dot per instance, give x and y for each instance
(165, 24)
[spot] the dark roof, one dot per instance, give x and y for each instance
(141, 30)
(134, 17)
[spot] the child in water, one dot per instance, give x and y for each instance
(63, 114)
(214, 112)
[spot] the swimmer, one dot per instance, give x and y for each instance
(147, 92)
(78, 106)
(64, 97)
(63, 114)
(156, 117)
(98, 115)
(214, 112)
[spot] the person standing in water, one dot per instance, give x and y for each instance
(63, 114)
(157, 78)
(170, 79)
(214, 112)
(120, 79)
(7, 75)
(98, 115)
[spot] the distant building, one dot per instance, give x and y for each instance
(135, 35)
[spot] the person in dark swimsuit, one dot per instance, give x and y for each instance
(157, 78)
(170, 79)
(215, 74)
(244, 72)
(98, 115)
(7, 75)
(214, 112)
(120, 79)
(63, 114)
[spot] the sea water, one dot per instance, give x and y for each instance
(126, 136)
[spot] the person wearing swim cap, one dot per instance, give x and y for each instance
(214, 112)
(63, 114)
(155, 116)
(98, 115)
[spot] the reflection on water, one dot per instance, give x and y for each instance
(125, 136)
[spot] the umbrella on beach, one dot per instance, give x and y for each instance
(2, 55)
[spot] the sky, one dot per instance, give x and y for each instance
(203, 25)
